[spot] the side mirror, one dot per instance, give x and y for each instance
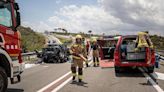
(17, 15)
(16, 6)
(18, 19)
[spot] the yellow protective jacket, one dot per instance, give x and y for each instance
(77, 49)
(143, 40)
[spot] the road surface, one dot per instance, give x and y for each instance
(56, 77)
(51, 39)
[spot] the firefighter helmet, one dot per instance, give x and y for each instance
(78, 37)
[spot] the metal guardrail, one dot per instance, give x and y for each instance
(29, 57)
(160, 53)
(29, 53)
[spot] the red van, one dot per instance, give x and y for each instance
(126, 56)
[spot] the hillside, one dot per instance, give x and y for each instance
(30, 39)
(158, 42)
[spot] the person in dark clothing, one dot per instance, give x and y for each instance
(124, 49)
(95, 53)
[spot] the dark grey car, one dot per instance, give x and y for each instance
(54, 53)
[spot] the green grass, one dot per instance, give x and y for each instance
(31, 40)
(158, 42)
(68, 41)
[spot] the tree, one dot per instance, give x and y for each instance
(90, 31)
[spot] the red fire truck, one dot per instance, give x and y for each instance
(126, 56)
(11, 65)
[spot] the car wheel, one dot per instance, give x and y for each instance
(3, 80)
(52, 61)
(117, 69)
(150, 69)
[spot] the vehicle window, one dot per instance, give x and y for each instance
(5, 15)
(108, 43)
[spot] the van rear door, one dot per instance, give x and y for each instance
(107, 47)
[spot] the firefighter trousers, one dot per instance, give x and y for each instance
(77, 63)
(96, 61)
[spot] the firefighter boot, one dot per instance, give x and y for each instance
(94, 62)
(80, 73)
(87, 64)
(97, 61)
(73, 69)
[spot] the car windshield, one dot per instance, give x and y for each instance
(5, 14)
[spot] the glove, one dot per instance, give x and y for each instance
(75, 54)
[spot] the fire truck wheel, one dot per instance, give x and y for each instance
(3, 80)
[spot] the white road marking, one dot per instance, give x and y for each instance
(158, 75)
(59, 79)
(54, 82)
(154, 84)
(61, 85)
(65, 82)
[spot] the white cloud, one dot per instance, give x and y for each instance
(40, 26)
(110, 17)
(85, 18)
(142, 14)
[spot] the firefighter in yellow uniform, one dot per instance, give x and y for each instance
(143, 40)
(78, 53)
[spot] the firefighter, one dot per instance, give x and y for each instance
(143, 40)
(78, 53)
(95, 53)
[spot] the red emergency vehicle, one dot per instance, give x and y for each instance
(11, 64)
(126, 56)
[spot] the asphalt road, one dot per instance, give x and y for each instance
(96, 79)
(39, 76)
(105, 80)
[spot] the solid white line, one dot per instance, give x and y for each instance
(61, 85)
(154, 84)
(65, 82)
(54, 82)
(158, 75)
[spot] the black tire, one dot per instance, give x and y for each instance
(117, 69)
(3, 80)
(150, 69)
(52, 60)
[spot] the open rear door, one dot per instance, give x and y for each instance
(107, 47)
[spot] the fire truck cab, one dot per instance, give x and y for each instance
(11, 65)
(126, 56)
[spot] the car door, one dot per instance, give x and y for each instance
(106, 49)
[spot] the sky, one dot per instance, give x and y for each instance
(101, 16)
